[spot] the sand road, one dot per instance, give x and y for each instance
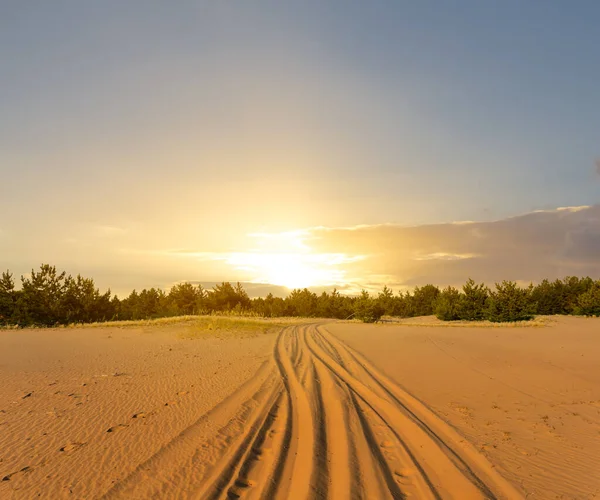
(316, 421)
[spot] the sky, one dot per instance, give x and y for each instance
(144, 143)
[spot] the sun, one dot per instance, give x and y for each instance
(284, 259)
(292, 270)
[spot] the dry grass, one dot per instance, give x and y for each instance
(256, 324)
(238, 326)
(200, 326)
(172, 320)
(211, 325)
(432, 321)
(204, 323)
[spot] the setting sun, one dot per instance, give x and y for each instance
(285, 259)
(292, 270)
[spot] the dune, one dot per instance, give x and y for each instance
(323, 410)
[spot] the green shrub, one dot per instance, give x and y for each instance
(574, 287)
(588, 303)
(424, 299)
(446, 307)
(549, 297)
(509, 302)
(472, 304)
(7, 298)
(367, 309)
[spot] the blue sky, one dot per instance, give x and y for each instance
(189, 125)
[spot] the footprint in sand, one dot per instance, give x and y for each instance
(71, 447)
(24, 469)
(141, 414)
(118, 428)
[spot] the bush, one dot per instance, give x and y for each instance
(7, 298)
(42, 297)
(446, 307)
(509, 303)
(549, 297)
(424, 299)
(366, 309)
(588, 303)
(573, 288)
(472, 304)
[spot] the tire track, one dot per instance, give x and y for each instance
(389, 390)
(320, 422)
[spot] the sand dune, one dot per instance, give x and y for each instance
(312, 411)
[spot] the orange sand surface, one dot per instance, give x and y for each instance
(328, 410)
(63, 390)
(527, 398)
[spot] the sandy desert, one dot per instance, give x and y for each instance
(308, 410)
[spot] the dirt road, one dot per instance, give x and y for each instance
(317, 421)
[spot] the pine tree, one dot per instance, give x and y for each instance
(7, 298)
(367, 309)
(472, 304)
(386, 300)
(42, 297)
(588, 303)
(447, 304)
(509, 303)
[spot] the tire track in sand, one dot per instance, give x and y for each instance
(318, 422)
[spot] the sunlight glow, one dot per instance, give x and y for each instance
(285, 259)
(292, 270)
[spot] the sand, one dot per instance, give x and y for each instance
(80, 409)
(527, 398)
(328, 410)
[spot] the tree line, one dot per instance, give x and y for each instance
(48, 297)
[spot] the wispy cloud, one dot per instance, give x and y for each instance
(529, 247)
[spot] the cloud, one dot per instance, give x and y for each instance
(598, 167)
(529, 247)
